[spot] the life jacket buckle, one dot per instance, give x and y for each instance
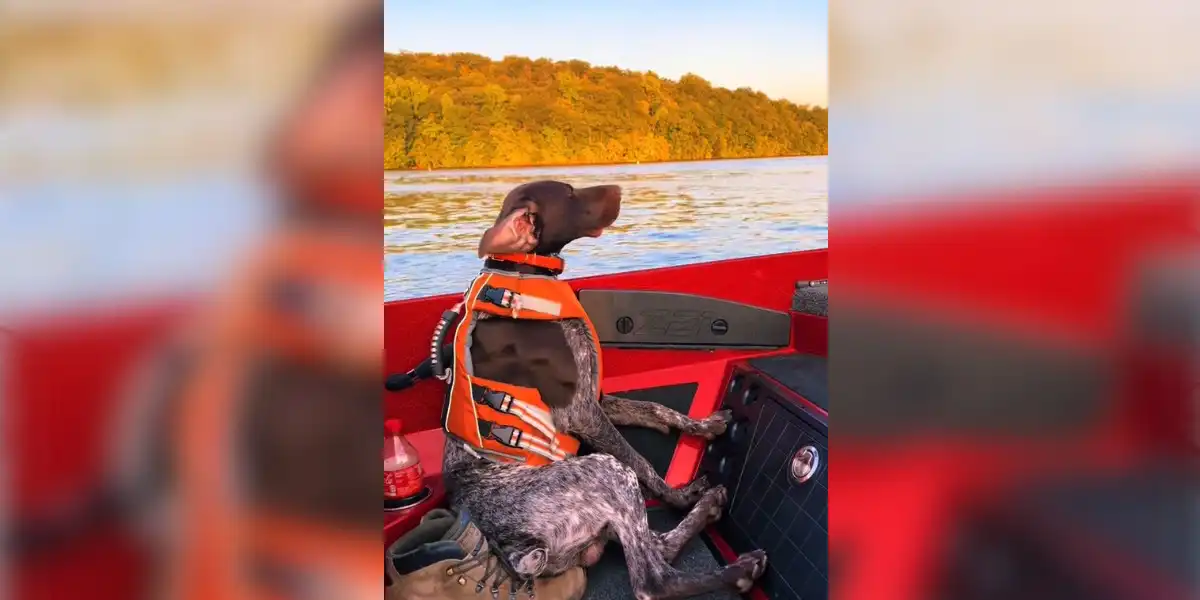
(498, 401)
(508, 436)
(496, 296)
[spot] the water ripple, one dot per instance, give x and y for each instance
(672, 214)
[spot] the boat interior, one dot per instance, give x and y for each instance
(1079, 471)
(749, 335)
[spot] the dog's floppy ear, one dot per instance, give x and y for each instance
(514, 233)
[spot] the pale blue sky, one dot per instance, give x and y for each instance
(777, 46)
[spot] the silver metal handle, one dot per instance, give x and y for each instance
(805, 464)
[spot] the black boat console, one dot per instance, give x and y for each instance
(774, 462)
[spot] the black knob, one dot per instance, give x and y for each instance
(750, 396)
(734, 383)
(736, 431)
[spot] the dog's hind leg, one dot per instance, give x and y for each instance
(652, 415)
(567, 507)
(618, 499)
(706, 512)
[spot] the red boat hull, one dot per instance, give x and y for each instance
(764, 281)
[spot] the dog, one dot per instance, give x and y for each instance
(550, 518)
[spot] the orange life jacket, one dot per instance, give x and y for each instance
(494, 419)
(223, 531)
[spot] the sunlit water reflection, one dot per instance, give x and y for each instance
(672, 214)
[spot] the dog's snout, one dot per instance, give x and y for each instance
(610, 207)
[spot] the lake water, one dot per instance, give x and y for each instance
(671, 214)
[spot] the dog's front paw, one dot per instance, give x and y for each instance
(686, 497)
(711, 426)
(741, 573)
(713, 503)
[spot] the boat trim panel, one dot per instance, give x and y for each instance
(668, 320)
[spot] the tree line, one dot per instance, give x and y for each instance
(466, 110)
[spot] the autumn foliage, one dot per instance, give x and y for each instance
(466, 110)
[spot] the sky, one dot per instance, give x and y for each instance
(779, 47)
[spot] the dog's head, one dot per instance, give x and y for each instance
(544, 216)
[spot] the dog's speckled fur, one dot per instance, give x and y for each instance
(548, 519)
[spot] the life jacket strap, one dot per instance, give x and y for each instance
(513, 437)
(526, 411)
(550, 262)
(515, 303)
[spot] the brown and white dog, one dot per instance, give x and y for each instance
(548, 519)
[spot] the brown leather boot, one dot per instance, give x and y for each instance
(447, 558)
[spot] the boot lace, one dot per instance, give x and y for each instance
(496, 570)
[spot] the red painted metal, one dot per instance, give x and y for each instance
(709, 378)
(979, 258)
(68, 376)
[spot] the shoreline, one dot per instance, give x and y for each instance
(603, 164)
